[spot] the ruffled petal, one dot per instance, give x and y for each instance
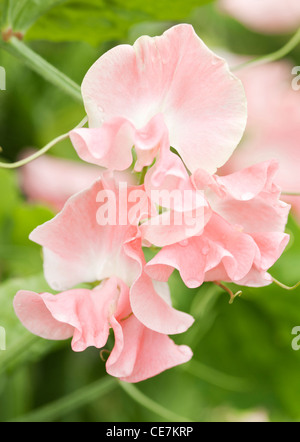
(175, 75)
(80, 313)
(78, 247)
(140, 353)
(149, 306)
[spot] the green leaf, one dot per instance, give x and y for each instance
(97, 21)
(21, 14)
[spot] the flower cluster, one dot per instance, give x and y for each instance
(169, 110)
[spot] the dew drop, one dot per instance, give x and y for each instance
(184, 243)
(205, 250)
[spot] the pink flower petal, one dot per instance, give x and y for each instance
(138, 353)
(271, 246)
(149, 306)
(111, 144)
(175, 75)
(36, 317)
(143, 353)
(80, 313)
(251, 199)
(246, 184)
(78, 249)
(221, 251)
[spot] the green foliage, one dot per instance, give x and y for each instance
(20, 15)
(18, 256)
(93, 21)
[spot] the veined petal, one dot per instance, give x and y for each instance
(143, 353)
(79, 248)
(175, 75)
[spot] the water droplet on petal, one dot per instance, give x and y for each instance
(205, 250)
(184, 243)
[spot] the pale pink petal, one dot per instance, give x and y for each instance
(177, 76)
(143, 353)
(77, 248)
(36, 317)
(149, 307)
(271, 246)
(108, 146)
(186, 256)
(246, 184)
(111, 144)
(256, 208)
(222, 251)
(266, 16)
(186, 210)
(169, 185)
(80, 313)
(256, 278)
(171, 226)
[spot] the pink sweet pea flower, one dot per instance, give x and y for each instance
(82, 246)
(87, 316)
(185, 208)
(164, 91)
(243, 238)
(266, 16)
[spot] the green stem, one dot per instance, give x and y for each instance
(151, 405)
(142, 175)
(41, 151)
(230, 292)
(277, 55)
(56, 410)
(216, 377)
(286, 287)
(42, 67)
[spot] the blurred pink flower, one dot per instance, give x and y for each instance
(243, 237)
(273, 130)
(78, 249)
(87, 315)
(164, 91)
(266, 16)
(52, 181)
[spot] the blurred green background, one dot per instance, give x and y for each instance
(244, 367)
